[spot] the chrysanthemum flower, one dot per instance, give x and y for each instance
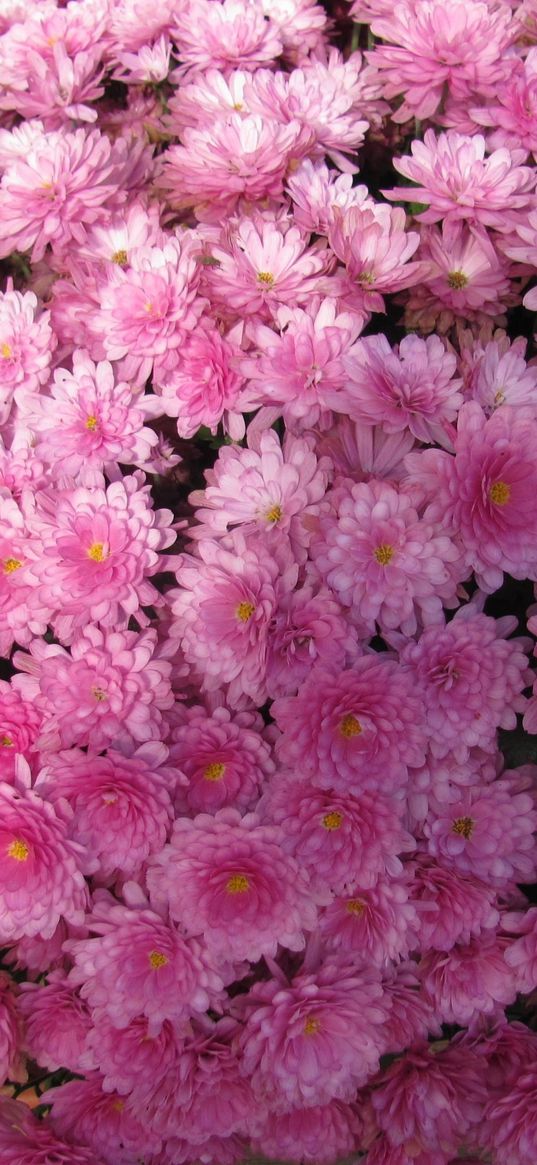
(99, 547)
(134, 1060)
(224, 36)
(57, 1023)
(309, 628)
(22, 612)
(227, 878)
(315, 1136)
(430, 1097)
(206, 387)
(137, 964)
(375, 248)
(316, 191)
(469, 980)
(382, 559)
(410, 1017)
(41, 876)
(511, 111)
(456, 181)
(301, 26)
(224, 759)
(85, 1114)
(497, 374)
(509, 1125)
(110, 688)
(11, 1060)
(315, 1041)
(26, 347)
(224, 609)
(488, 831)
(353, 730)
(521, 955)
(453, 907)
(343, 840)
(376, 925)
(472, 679)
(24, 1140)
(430, 48)
(217, 1101)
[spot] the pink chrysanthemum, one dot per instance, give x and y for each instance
(314, 1136)
(488, 831)
(521, 955)
(224, 608)
(453, 907)
(375, 248)
(430, 1098)
(316, 191)
(100, 546)
(382, 559)
(217, 1101)
(57, 1024)
(497, 374)
(472, 680)
(354, 730)
(26, 1141)
(26, 346)
(22, 612)
(122, 810)
(20, 723)
(266, 486)
(11, 1060)
(455, 180)
(224, 36)
(90, 420)
(109, 689)
(85, 1114)
(309, 628)
(317, 1040)
(224, 760)
(411, 386)
(342, 840)
(205, 388)
(468, 981)
(509, 1126)
(442, 46)
(410, 1016)
(511, 112)
(227, 878)
(136, 964)
(41, 877)
(487, 492)
(134, 1060)
(376, 925)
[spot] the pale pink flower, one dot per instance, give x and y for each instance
(468, 981)
(205, 98)
(85, 1114)
(410, 386)
(137, 964)
(375, 249)
(11, 1038)
(20, 724)
(342, 840)
(298, 369)
(56, 1023)
(264, 487)
(224, 759)
(382, 559)
(316, 192)
(464, 278)
(22, 611)
(237, 158)
(456, 181)
(99, 547)
(488, 831)
(121, 808)
(376, 925)
(24, 1140)
(453, 907)
(134, 23)
(90, 420)
(115, 239)
(262, 267)
(366, 451)
(316, 1040)
(147, 309)
(26, 347)
(315, 1135)
(471, 678)
(149, 66)
(228, 596)
(225, 35)
(109, 689)
(521, 955)
(454, 45)
(430, 1097)
(353, 730)
(301, 26)
(511, 111)
(498, 374)
(227, 878)
(56, 85)
(41, 877)
(206, 386)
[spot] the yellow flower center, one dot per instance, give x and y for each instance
(99, 694)
(121, 258)
(238, 884)
(499, 493)
(91, 423)
(118, 1105)
(266, 278)
(464, 827)
(11, 564)
(6, 351)
(355, 906)
(333, 820)
(499, 397)
(312, 1026)
(244, 612)
(366, 278)
(157, 959)
(18, 850)
(238, 106)
(148, 307)
(274, 514)
(6, 741)
(384, 554)
(214, 771)
(96, 552)
(457, 280)
(350, 726)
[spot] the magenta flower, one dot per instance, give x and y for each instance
(41, 877)
(57, 1024)
(315, 1041)
(24, 1140)
(470, 980)
(354, 730)
(315, 1136)
(521, 955)
(309, 628)
(453, 907)
(223, 759)
(509, 1124)
(82, 1112)
(218, 1100)
(134, 1061)
(456, 181)
(511, 111)
(410, 1017)
(228, 879)
(488, 831)
(205, 387)
(376, 925)
(11, 1038)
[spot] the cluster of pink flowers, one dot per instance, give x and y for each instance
(268, 536)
